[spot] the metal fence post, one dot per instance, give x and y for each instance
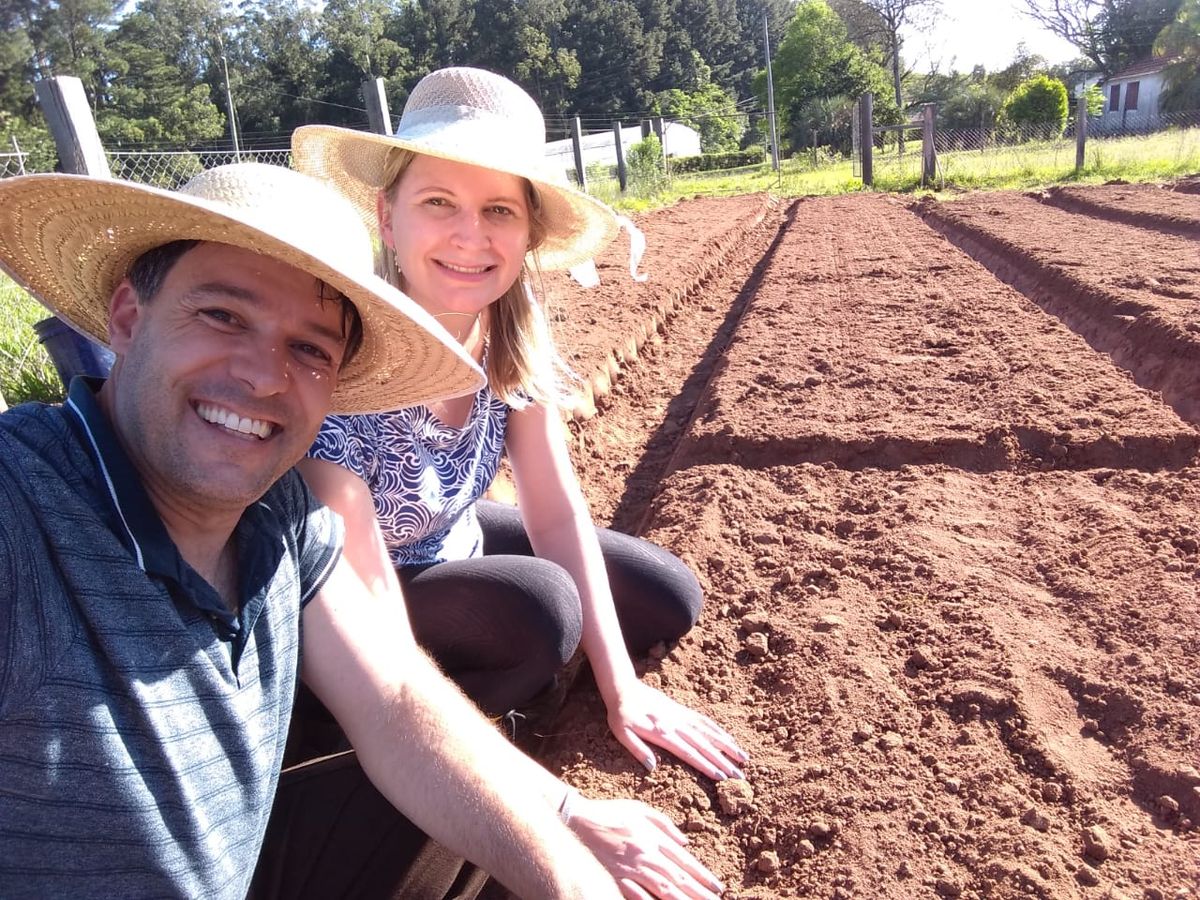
(20, 159)
(65, 106)
(1081, 117)
(375, 96)
(622, 174)
(577, 146)
(928, 150)
(866, 129)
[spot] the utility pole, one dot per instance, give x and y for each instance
(770, 97)
(237, 152)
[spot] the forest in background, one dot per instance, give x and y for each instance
(157, 71)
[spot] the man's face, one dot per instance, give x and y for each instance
(223, 377)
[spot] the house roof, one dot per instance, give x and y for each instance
(1145, 67)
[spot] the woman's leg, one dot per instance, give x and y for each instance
(657, 597)
(500, 626)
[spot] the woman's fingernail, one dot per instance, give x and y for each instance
(737, 773)
(650, 762)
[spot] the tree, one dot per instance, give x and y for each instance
(277, 63)
(1038, 106)
(616, 56)
(148, 98)
(817, 71)
(1180, 41)
(710, 109)
(882, 20)
(1111, 33)
(1024, 65)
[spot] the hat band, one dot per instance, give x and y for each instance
(452, 123)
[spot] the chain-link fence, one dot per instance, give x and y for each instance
(13, 164)
(172, 169)
(980, 156)
(162, 168)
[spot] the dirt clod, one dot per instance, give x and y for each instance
(735, 796)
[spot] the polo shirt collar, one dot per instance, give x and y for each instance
(137, 521)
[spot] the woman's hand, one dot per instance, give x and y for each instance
(642, 849)
(644, 714)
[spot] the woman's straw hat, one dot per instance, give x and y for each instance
(470, 116)
(70, 239)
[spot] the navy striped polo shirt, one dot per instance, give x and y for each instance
(142, 726)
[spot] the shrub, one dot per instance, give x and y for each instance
(708, 162)
(1037, 107)
(644, 163)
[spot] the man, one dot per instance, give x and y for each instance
(162, 567)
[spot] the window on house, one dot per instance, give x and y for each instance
(1131, 95)
(1114, 98)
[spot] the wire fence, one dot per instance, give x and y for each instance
(162, 168)
(13, 164)
(173, 169)
(976, 155)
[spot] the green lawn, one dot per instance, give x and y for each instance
(1156, 157)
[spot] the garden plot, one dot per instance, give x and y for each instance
(601, 329)
(1145, 205)
(1131, 292)
(873, 342)
(952, 602)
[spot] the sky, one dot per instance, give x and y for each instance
(986, 32)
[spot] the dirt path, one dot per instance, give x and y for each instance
(950, 555)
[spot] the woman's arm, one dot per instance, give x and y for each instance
(348, 495)
(560, 529)
(634, 843)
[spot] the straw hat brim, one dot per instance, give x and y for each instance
(578, 226)
(70, 239)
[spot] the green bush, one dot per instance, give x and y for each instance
(709, 162)
(1036, 108)
(644, 163)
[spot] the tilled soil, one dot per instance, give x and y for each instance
(949, 546)
(1131, 292)
(1157, 206)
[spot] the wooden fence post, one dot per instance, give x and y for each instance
(622, 175)
(661, 131)
(65, 106)
(866, 130)
(375, 96)
(1081, 117)
(577, 146)
(928, 150)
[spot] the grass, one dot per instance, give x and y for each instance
(26, 372)
(1156, 157)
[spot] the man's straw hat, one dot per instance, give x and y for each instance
(470, 116)
(70, 239)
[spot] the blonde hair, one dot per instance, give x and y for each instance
(521, 359)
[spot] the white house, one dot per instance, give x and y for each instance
(601, 147)
(1131, 95)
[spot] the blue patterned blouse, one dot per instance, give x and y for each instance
(424, 475)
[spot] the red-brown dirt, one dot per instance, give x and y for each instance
(1147, 205)
(1130, 292)
(949, 547)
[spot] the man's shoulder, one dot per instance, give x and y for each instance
(34, 438)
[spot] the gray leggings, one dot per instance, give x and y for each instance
(501, 625)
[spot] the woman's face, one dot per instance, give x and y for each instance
(460, 233)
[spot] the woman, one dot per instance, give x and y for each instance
(466, 215)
